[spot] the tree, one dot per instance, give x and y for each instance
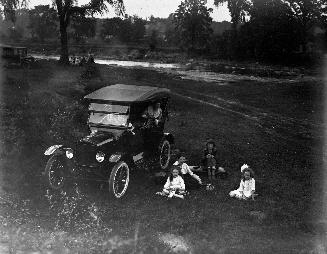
(82, 27)
(128, 30)
(193, 24)
(118, 29)
(43, 22)
(15, 33)
(15, 30)
(153, 40)
(138, 28)
(307, 13)
(170, 34)
(67, 8)
(238, 9)
(8, 8)
(110, 28)
(271, 33)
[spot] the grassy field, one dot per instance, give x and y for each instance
(276, 127)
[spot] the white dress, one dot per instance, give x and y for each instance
(176, 183)
(246, 188)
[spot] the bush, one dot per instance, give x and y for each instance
(64, 125)
(31, 122)
(73, 210)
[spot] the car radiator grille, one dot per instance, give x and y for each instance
(85, 155)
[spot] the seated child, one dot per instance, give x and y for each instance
(186, 172)
(247, 186)
(174, 186)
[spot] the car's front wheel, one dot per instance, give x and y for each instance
(164, 154)
(119, 179)
(55, 172)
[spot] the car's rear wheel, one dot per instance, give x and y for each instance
(119, 179)
(164, 154)
(55, 172)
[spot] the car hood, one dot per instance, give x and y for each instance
(99, 138)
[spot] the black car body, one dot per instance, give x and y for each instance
(118, 138)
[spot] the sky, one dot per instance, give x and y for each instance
(157, 8)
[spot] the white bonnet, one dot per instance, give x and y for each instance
(244, 166)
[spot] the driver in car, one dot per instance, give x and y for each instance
(153, 114)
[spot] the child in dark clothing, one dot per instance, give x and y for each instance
(210, 160)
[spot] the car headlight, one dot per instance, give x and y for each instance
(69, 153)
(100, 156)
(115, 157)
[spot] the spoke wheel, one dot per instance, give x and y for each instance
(165, 154)
(54, 172)
(119, 179)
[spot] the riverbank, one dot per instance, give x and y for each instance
(210, 71)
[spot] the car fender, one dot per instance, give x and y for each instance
(169, 137)
(116, 157)
(53, 149)
(128, 158)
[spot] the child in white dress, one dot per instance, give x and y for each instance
(174, 186)
(246, 189)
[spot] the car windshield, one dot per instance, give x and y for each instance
(108, 114)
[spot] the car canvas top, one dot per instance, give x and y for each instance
(127, 94)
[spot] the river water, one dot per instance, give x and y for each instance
(152, 65)
(187, 71)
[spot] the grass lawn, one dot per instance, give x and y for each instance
(274, 127)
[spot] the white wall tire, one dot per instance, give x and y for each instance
(119, 180)
(164, 154)
(54, 172)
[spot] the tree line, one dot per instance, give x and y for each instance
(272, 30)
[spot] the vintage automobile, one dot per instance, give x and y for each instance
(119, 137)
(12, 55)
